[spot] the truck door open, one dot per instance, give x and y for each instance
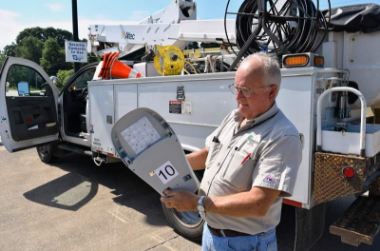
(28, 111)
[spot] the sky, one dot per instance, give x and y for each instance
(16, 15)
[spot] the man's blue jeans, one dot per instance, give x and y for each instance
(260, 242)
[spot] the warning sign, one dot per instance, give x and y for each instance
(76, 51)
(175, 106)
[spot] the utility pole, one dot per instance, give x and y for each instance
(75, 27)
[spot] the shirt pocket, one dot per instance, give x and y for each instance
(239, 169)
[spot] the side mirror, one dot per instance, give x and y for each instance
(23, 88)
(54, 80)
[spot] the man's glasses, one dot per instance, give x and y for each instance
(246, 91)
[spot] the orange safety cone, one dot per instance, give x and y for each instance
(120, 70)
(105, 60)
(108, 58)
(113, 68)
(111, 60)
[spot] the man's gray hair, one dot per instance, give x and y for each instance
(271, 67)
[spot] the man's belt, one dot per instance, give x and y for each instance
(226, 232)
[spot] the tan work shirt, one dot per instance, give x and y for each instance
(266, 152)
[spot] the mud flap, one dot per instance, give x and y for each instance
(309, 228)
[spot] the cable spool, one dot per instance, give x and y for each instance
(169, 60)
(291, 26)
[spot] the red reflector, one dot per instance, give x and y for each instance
(348, 172)
(292, 203)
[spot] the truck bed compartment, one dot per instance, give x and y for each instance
(347, 142)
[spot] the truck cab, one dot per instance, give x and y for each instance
(35, 113)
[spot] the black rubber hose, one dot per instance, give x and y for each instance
(298, 26)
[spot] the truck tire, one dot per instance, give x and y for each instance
(46, 152)
(186, 224)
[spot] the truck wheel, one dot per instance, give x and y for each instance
(46, 152)
(186, 224)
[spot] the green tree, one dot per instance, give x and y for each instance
(45, 46)
(36, 32)
(43, 34)
(2, 58)
(53, 57)
(92, 57)
(30, 48)
(63, 76)
(10, 50)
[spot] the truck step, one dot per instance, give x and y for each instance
(360, 222)
(75, 149)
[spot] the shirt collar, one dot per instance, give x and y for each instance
(252, 122)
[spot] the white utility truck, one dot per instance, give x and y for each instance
(330, 89)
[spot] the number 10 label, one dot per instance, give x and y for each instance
(166, 172)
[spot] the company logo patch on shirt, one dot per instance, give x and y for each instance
(253, 139)
(270, 180)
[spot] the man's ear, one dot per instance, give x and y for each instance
(273, 91)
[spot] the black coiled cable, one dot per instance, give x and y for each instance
(291, 27)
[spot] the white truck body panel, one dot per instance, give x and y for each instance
(102, 117)
(361, 58)
(207, 101)
(349, 141)
(358, 53)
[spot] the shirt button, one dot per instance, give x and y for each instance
(218, 164)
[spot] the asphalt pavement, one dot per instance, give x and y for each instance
(74, 205)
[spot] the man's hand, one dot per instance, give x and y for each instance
(180, 200)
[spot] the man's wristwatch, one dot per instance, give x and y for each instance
(201, 206)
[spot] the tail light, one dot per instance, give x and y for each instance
(348, 172)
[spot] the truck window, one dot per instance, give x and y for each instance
(81, 81)
(23, 74)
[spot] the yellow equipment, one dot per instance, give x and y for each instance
(169, 60)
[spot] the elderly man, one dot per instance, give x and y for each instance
(251, 162)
